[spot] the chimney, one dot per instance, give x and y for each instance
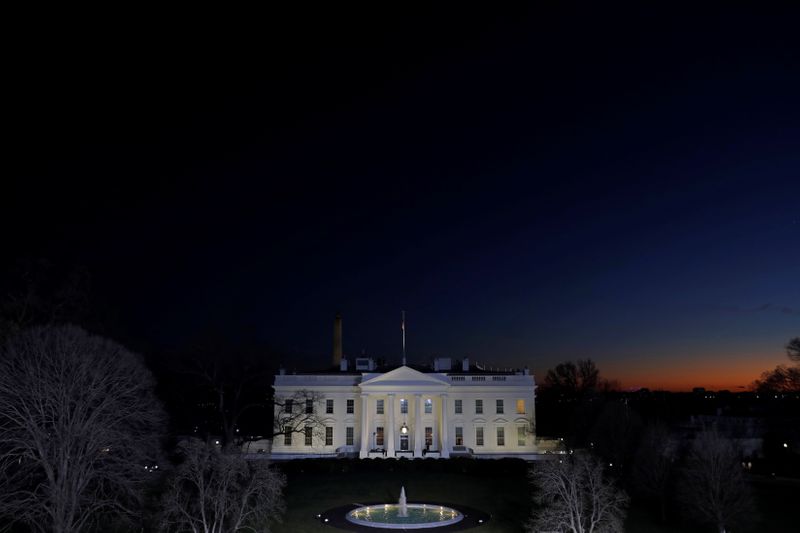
(337, 340)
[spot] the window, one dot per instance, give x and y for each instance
(328, 436)
(459, 436)
(499, 407)
(351, 405)
(309, 407)
(348, 436)
(428, 437)
(479, 436)
(520, 407)
(379, 407)
(287, 407)
(309, 435)
(521, 435)
(287, 436)
(329, 407)
(478, 407)
(501, 436)
(404, 406)
(459, 407)
(428, 406)
(378, 436)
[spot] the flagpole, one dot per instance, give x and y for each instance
(403, 329)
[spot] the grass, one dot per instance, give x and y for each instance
(506, 496)
(499, 488)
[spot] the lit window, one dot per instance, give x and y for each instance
(521, 434)
(479, 436)
(478, 407)
(428, 406)
(459, 407)
(501, 436)
(328, 436)
(379, 436)
(348, 436)
(351, 404)
(499, 407)
(379, 407)
(309, 436)
(459, 436)
(520, 407)
(329, 407)
(404, 406)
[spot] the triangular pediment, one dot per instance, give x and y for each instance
(405, 378)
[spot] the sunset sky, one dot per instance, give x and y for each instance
(529, 186)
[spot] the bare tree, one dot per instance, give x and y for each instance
(780, 379)
(573, 495)
(572, 379)
(793, 349)
(297, 412)
(215, 492)
(654, 464)
(79, 429)
(712, 487)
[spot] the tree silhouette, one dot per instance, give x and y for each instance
(215, 492)
(79, 429)
(573, 494)
(711, 486)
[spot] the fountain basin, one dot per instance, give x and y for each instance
(418, 516)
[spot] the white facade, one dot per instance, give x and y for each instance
(408, 413)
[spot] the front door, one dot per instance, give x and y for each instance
(403, 442)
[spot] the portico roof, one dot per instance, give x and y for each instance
(404, 379)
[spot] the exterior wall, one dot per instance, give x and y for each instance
(440, 388)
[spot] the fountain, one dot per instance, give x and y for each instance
(403, 510)
(404, 515)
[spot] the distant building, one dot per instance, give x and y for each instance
(438, 411)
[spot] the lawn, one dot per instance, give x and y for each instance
(497, 487)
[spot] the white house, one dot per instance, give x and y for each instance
(411, 412)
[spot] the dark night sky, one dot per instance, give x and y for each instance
(530, 186)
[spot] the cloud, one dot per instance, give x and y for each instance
(785, 309)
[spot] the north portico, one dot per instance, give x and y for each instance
(412, 412)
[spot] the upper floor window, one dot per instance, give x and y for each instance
(459, 407)
(499, 407)
(404, 406)
(521, 407)
(287, 407)
(478, 407)
(379, 407)
(428, 406)
(309, 407)
(351, 404)
(329, 407)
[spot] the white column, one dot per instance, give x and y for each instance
(364, 428)
(445, 441)
(390, 423)
(418, 429)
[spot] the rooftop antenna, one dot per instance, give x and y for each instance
(403, 329)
